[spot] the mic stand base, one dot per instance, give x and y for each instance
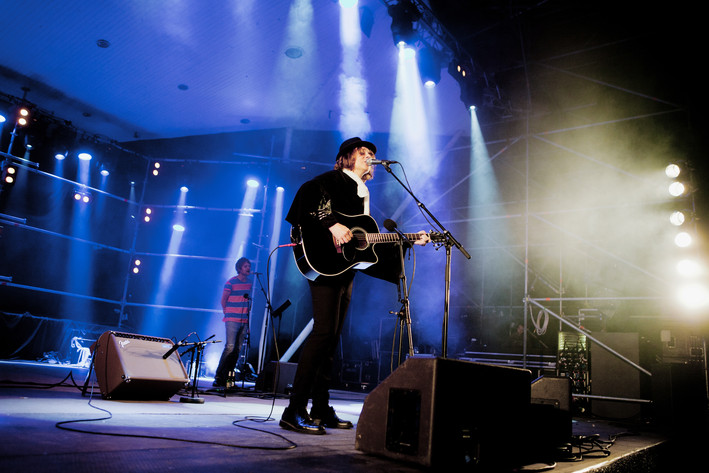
(192, 400)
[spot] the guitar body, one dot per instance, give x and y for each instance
(317, 255)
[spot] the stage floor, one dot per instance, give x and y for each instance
(236, 431)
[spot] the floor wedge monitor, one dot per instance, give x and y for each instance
(444, 412)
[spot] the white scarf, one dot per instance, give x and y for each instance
(362, 190)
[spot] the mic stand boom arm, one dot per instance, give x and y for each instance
(449, 241)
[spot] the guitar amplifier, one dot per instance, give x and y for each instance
(130, 366)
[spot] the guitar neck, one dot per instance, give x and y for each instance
(391, 237)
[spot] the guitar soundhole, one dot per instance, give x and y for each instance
(360, 238)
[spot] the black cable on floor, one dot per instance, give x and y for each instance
(63, 426)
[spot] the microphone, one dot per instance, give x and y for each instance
(390, 225)
(385, 162)
(172, 350)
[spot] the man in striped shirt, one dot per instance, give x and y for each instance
(236, 301)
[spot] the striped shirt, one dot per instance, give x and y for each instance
(234, 304)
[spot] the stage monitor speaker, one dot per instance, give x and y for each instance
(278, 374)
(130, 366)
(551, 416)
(443, 412)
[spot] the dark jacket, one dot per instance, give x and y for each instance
(318, 199)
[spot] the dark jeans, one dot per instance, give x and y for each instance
(331, 298)
(235, 333)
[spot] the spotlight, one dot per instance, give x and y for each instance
(430, 66)
(9, 173)
(178, 228)
(693, 296)
(184, 189)
(679, 189)
(252, 183)
(677, 218)
(689, 268)
(156, 168)
(683, 239)
(3, 118)
(82, 196)
(84, 156)
(23, 116)
(403, 16)
(470, 88)
(136, 266)
(672, 171)
(61, 155)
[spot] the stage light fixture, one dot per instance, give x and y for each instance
(677, 189)
(688, 268)
(403, 16)
(184, 189)
(156, 169)
(252, 183)
(683, 239)
(82, 196)
(693, 295)
(677, 218)
(429, 61)
(61, 155)
(178, 227)
(84, 156)
(672, 171)
(23, 116)
(3, 118)
(9, 173)
(470, 88)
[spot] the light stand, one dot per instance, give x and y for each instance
(449, 241)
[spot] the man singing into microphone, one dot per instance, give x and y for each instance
(340, 190)
(235, 304)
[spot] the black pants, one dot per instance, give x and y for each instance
(331, 298)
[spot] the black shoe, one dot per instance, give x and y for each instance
(298, 420)
(219, 383)
(328, 418)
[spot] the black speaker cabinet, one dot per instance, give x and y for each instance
(443, 412)
(130, 366)
(613, 377)
(278, 374)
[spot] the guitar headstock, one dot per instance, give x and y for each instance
(437, 238)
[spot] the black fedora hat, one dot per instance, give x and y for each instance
(352, 143)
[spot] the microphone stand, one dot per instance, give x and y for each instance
(404, 313)
(449, 242)
(244, 352)
(197, 348)
(269, 311)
